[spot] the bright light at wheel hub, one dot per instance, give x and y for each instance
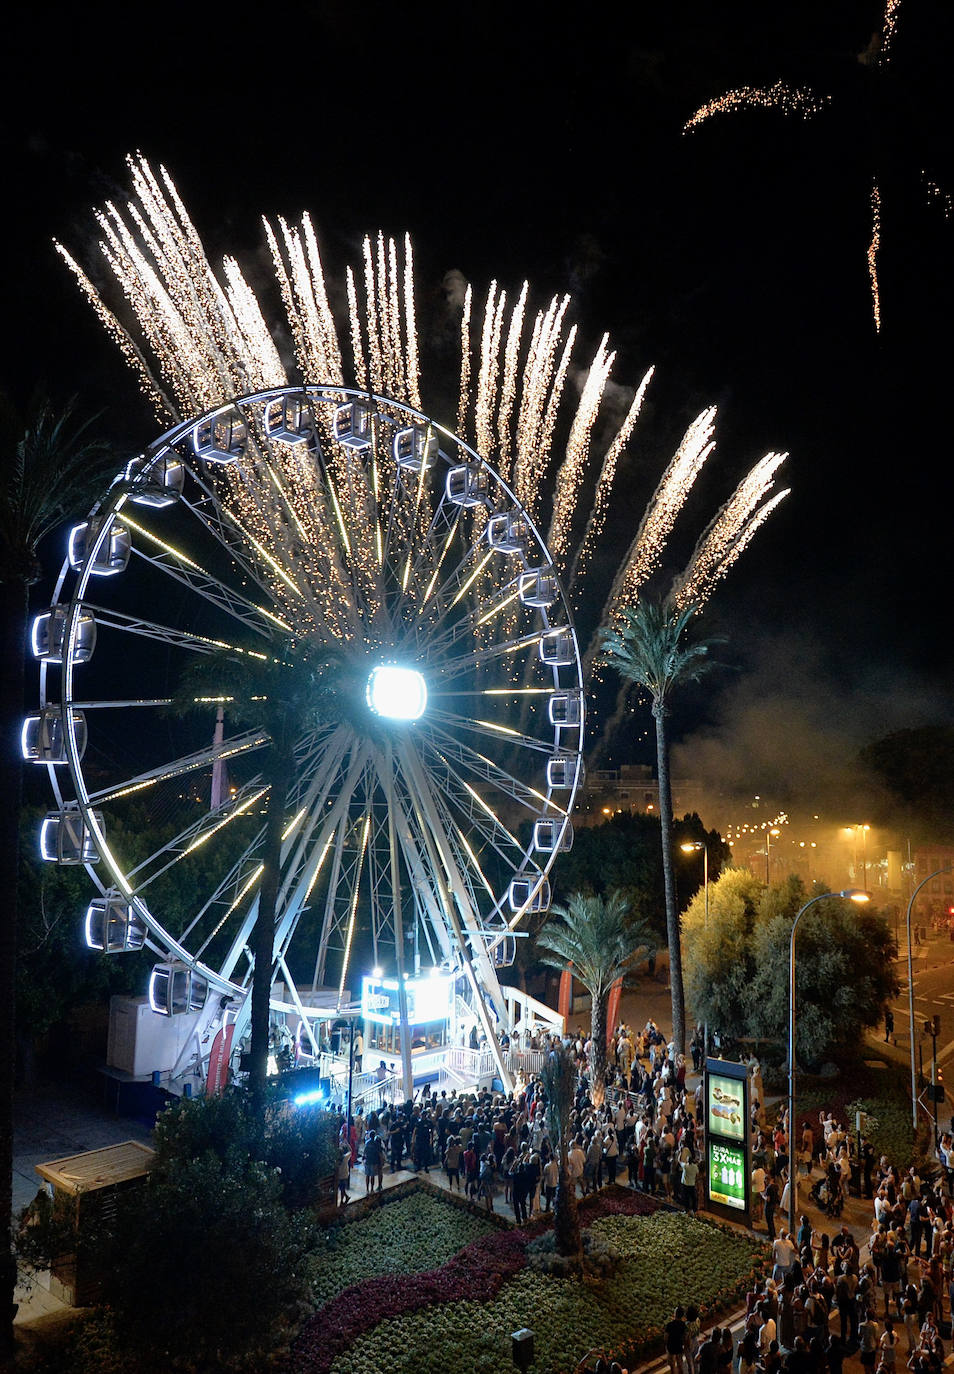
(397, 693)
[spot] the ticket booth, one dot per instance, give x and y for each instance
(430, 1003)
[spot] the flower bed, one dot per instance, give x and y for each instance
(405, 1234)
(667, 1258)
(466, 1309)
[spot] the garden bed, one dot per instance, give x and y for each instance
(464, 1311)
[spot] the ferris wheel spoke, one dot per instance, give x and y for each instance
(478, 765)
(413, 851)
(107, 618)
(434, 548)
(476, 615)
(492, 730)
(218, 593)
(218, 522)
(197, 834)
(461, 664)
(309, 837)
(339, 764)
(476, 810)
(454, 893)
(177, 768)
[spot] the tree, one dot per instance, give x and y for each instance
(52, 471)
(718, 964)
(292, 689)
(594, 936)
(844, 971)
(648, 649)
(738, 968)
(559, 1083)
(623, 853)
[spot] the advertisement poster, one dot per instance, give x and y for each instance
(726, 1106)
(727, 1174)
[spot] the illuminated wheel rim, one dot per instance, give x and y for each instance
(350, 521)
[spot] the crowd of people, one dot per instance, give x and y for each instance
(825, 1300)
(496, 1147)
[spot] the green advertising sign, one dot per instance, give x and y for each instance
(727, 1174)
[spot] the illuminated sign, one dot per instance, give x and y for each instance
(726, 1103)
(727, 1174)
(428, 999)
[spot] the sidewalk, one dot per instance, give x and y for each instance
(52, 1121)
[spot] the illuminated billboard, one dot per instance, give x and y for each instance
(727, 1137)
(727, 1174)
(428, 999)
(726, 1103)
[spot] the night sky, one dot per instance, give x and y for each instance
(530, 146)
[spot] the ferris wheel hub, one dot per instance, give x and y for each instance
(396, 693)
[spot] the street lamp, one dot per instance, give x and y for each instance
(914, 1089)
(768, 852)
(692, 847)
(854, 895)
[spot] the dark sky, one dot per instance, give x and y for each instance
(735, 259)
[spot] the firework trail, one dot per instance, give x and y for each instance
(464, 401)
(789, 100)
(508, 391)
(727, 534)
(873, 249)
(807, 103)
(643, 555)
(195, 342)
(570, 472)
(604, 486)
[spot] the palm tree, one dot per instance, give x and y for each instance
(293, 689)
(648, 649)
(594, 936)
(52, 471)
(559, 1083)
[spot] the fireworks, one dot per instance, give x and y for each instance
(873, 248)
(789, 100)
(196, 342)
(806, 103)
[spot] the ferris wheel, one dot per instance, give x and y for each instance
(422, 821)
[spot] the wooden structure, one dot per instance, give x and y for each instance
(87, 1187)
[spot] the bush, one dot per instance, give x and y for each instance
(205, 1263)
(301, 1142)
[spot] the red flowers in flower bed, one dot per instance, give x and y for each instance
(475, 1273)
(617, 1202)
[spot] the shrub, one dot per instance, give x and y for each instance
(299, 1141)
(205, 1263)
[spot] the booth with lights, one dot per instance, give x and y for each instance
(430, 1017)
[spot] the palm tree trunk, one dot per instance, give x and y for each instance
(669, 884)
(566, 1222)
(13, 611)
(278, 774)
(599, 1006)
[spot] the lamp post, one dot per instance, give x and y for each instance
(914, 1088)
(691, 847)
(854, 895)
(772, 830)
